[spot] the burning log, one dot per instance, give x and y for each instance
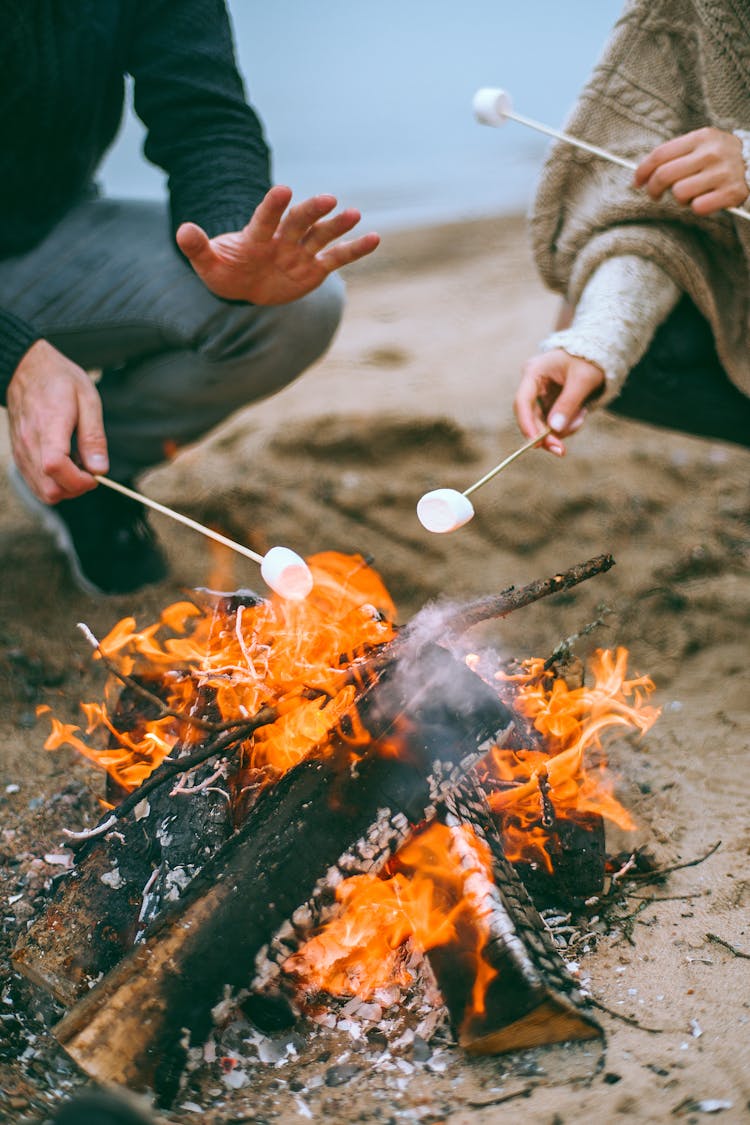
(503, 980)
(130, 1028)
(123, 878)
(576, 848)
(375, 729)
(450, 892)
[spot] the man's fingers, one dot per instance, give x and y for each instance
(64, 481)
(346, 252)
(323, 233)
(267, 215)
(194, 243)
(91, 439)
(296, 224)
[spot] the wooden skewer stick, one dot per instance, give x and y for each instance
(447, 509)
(508, 460)
(165, 511)
(494, 107)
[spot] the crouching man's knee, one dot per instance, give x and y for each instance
(310, 323)
(256, 350)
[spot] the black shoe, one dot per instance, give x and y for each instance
(105, 536)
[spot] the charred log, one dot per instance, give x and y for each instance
(503, 980)
(99, 909)
(577, 852)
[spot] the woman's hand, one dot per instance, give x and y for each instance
(704, 169)
(554, 390)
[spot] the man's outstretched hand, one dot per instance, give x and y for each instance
(281, 254)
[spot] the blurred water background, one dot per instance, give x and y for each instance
(373, 100)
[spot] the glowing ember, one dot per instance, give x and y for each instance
(425, 902)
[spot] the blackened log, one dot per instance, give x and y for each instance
(577, 852)
(122, 878)
(100, 907)
(130, 1029)
(531, 999)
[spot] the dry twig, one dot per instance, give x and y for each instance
(624, 1019)
(162, 710)
(727, 945)
(660, 872)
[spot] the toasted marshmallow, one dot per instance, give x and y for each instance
(286, 573)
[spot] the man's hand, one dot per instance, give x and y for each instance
(277, 257)
(50, 399)
(704, 169)
(554, 389)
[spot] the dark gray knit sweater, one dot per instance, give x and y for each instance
(62, 70)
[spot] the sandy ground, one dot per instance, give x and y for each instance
(416, 393)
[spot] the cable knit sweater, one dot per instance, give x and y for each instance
(670, 66)
(62, 70)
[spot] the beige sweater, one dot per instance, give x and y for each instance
(670, 66)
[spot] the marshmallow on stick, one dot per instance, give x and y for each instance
(447, 509)
(284, 571)
(493, 106)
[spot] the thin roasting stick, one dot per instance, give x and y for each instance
(493, 107)
(165, 511)
(508, 460)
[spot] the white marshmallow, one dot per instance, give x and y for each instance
(286, 573)
(491, 106)
(444, 509)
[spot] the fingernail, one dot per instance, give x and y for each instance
(557, 421)
(97, 463)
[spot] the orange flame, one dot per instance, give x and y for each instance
(568, 774)
(295, 657)
(425, 902)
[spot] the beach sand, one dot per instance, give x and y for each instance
(416, 393)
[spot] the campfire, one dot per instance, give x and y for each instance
(304, 799)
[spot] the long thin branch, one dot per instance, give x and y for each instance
(728, 945)
(223, 741)
(499, 605)
(473, 613)
(630, 1020)
(658, 872)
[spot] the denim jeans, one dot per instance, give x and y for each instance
(109, 289)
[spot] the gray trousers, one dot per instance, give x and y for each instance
(109, 289)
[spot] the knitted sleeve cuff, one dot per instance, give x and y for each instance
(623, 303)
(16, 337)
